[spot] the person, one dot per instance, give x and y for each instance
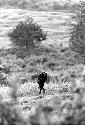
(41, 79)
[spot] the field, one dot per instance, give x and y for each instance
(54, 56)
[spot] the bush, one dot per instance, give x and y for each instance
(56, 6)
(9, 115)
(77, 41)
(3, 80)
(23, 4)
(51, 65)
(11, 3)
(27, 34)
(10, 112)
(76, 117)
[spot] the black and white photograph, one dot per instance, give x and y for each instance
(42, 58)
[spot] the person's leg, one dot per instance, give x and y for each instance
(43, 90)
(40, 90)
(40, 87)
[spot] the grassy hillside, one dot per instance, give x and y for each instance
(64, 100)
(47, 5)
(60, 97)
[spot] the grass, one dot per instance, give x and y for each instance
(59, 105)
(60, 91)
(38, 5)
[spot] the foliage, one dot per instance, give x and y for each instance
(9, 115)
(27, 34)
(44, 113)
(57, 6)
(3, 80)
(12, 3)
(23, 4)
(77, 40)
(76, 117)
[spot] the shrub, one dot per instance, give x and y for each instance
(3, 80)
(77, 41)
(43, 115)
(10, 112)
(56, 6)
(11, 3)
(44, 59)
(23, 4)
(51, 65)
(76, 117)
(27, 34)
(9, 115)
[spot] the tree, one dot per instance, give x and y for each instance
(27, 34)
(77, 41)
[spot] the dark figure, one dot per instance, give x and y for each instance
(41, 79)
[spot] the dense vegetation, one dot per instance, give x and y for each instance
(27, 34)
(12, 114)
(77, 41)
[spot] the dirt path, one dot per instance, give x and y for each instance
(56, 23)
